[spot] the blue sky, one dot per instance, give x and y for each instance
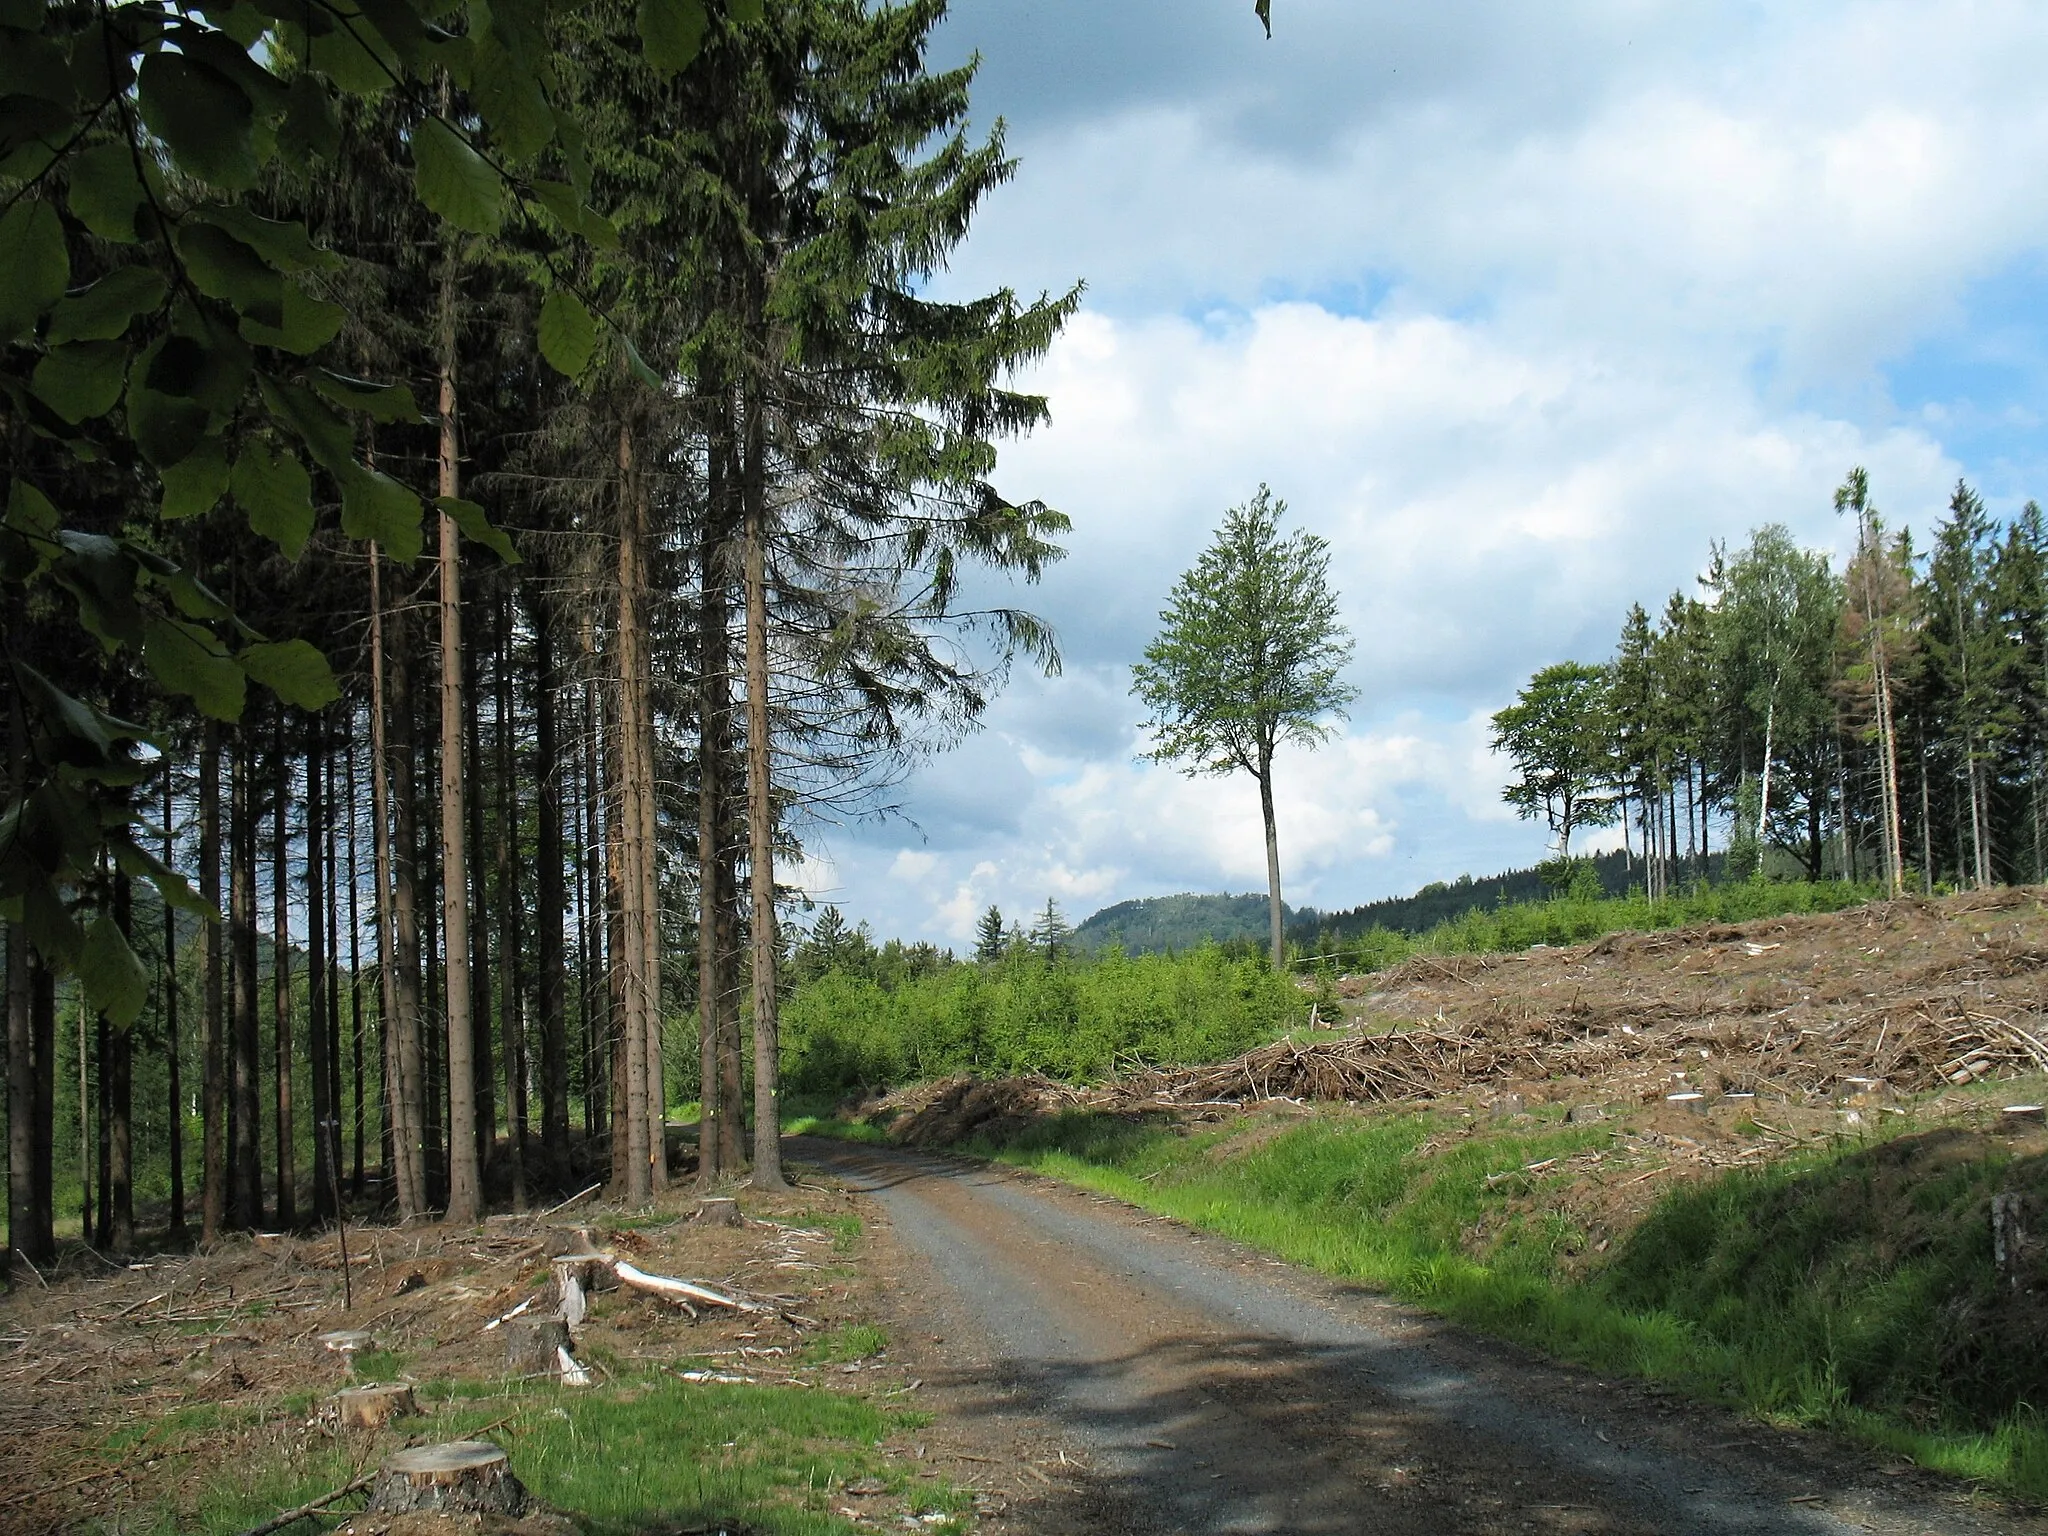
(1520, 307)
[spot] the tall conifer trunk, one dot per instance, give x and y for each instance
(477, 899)
(213, 1131)
(550, 901)
(761, 814)
(465, 1205)
(174, 1095)
(642, 1132)
(281, 983)
(246, 1156)
(714, 732)
(511, 994)
(397, 928)
(117, 1069)
(28, 1060)
(326, 1100)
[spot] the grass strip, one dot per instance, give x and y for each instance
(645, 1451)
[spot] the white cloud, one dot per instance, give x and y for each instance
(1519, 308)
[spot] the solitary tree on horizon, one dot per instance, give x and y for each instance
(1248, 656)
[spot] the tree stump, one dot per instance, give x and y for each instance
(347, 1343)
(374, 1407)
(560, 1240)
(470, 1477)
(531, 1342)
(719, 1211)
(576, 1276)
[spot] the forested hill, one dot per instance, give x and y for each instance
(1155, 924)
(1444, 900)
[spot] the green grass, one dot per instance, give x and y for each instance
(1579, 920)
(843, 1346)
(1850, 1288)
(371, 1366)
(647, 1452)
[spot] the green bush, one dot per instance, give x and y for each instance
(1075, 1019)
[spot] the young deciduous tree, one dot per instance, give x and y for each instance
(1249, 655)
(1556, 732)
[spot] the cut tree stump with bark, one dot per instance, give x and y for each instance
(576, 1276)
(719, 1211)
(531, 1342)
(471, 1477)
(560, 1240)
(374, 1407)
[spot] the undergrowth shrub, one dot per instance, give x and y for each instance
(1075, 1019)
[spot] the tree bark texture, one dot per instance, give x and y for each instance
(550, 901)
(245, 1156)
(761, 826)
(213, 1137)
(465, 1200)
(284, 1116)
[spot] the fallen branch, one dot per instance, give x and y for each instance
(311, 1506)
(679, 1290)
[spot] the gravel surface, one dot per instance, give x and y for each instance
(1200, 1386)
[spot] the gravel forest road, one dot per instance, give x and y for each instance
(1206, 1388)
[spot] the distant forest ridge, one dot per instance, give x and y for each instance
(1155, 924)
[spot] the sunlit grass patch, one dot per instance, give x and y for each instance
(647, 1450)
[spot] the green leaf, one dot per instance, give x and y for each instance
(188, 660)
(276, 494)
(22, 15)
(311, 127)
(33, 265)
(52, 930)
(745, 12)
(309, 324)
(323, 432)
(1263, 9)
(267, 94)
(96, 571)
(195, 483)
(105, 310)
(671, 32)
(28, 533)
(106, 193)
(200, 361)
(568, 334)
(81, 380)
(138, 862)
(222, 267)
(374, 506)
(454, 181)
(116, 983)
(476, 525)
(165, 427)
(34, 66)
(193, 597)
(509, 96)
(380, 402)
(283, 243)
(638, 364)
(352, 55)
(574, 215)
(204, 117)
(294, 670)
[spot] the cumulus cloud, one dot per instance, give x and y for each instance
(1519, 308)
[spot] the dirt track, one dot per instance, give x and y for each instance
(1204, 1388)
